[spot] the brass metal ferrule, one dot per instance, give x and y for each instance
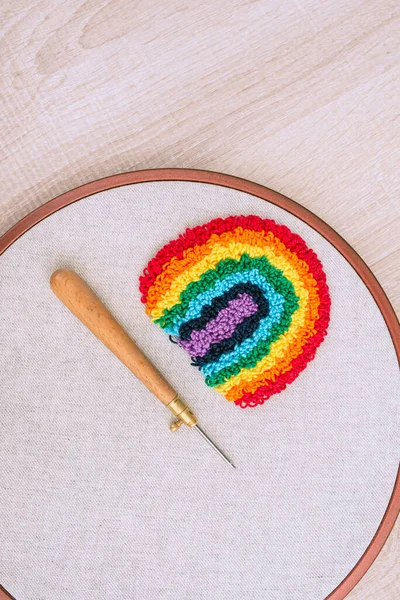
(183, 414)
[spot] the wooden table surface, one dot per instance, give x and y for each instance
(299, 96)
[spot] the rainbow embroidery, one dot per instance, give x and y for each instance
(246, 298)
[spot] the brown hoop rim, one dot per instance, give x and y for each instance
(243, 185)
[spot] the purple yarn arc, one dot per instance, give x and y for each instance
(222, 327)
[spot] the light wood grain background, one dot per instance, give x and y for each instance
(297, 95)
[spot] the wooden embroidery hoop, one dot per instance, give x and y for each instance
(298, 211)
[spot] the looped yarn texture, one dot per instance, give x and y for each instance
(246, 298)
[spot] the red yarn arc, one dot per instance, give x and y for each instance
(200, 234)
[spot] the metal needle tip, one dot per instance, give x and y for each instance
(217, 450)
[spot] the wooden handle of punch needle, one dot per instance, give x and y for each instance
(84, 304)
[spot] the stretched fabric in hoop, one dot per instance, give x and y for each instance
(246, 298)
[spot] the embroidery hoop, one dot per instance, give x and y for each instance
(273, 197)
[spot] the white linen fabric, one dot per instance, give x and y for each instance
(99, 500)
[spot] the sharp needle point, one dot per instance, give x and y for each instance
(217, 450)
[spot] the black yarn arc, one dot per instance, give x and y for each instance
(243, 331)
(211, 311)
